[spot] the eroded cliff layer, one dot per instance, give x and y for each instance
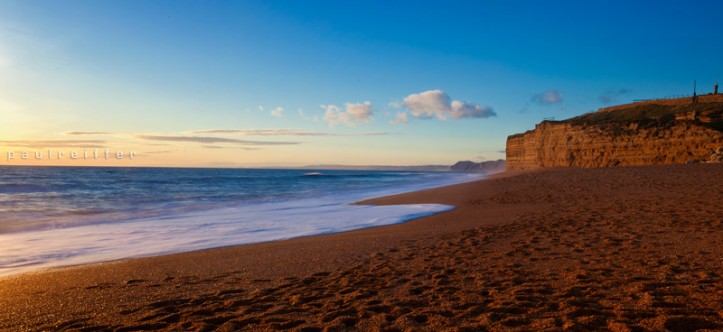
(636, 135)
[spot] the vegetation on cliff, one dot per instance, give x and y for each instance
(655, 115)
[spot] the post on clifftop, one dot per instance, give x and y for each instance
(695, 95)
(715, 88)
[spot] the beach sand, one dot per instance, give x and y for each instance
(624, 249)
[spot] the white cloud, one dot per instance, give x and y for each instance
(548, 97)
(402, 117)
(279, 111)
(261, 108)
(332, 114)
(353, 113)
(360, 111)
(436, 103)
(395, 105)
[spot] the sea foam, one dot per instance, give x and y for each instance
(208, 228)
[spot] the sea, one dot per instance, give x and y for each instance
(61, 216)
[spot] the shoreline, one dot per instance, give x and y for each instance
(230, 224)
(497, 246)
(376, 201)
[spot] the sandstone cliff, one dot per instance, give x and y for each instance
(636, 134)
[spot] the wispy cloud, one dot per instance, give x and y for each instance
(209, 140)
(280, 132)
(436, 103)
(611, 96)
(88, 144)
(353, 113)
(401, 117)
(365, 134)
(228, 147)
(260, 132)
(87, 133)
(277, 112)
(152, 153)
(549, 97)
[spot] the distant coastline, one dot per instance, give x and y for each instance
(460, 166)
(463, 166)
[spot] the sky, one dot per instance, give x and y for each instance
(290, 83)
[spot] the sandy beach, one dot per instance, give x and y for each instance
(621, 249)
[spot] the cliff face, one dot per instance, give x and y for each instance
(647, 136)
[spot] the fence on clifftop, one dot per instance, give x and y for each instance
(668, 101)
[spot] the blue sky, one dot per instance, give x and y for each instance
(252, 83)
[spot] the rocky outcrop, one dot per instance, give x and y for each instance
(638, 135)
(485, 166)
(717, 156)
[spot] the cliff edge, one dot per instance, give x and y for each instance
(646, 133)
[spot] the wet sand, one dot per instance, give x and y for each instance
(622, 249)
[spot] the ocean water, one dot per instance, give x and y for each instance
(58, 216)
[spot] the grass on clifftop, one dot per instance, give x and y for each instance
(654, 115)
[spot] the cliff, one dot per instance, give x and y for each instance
(485, 166)
(645, 133)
